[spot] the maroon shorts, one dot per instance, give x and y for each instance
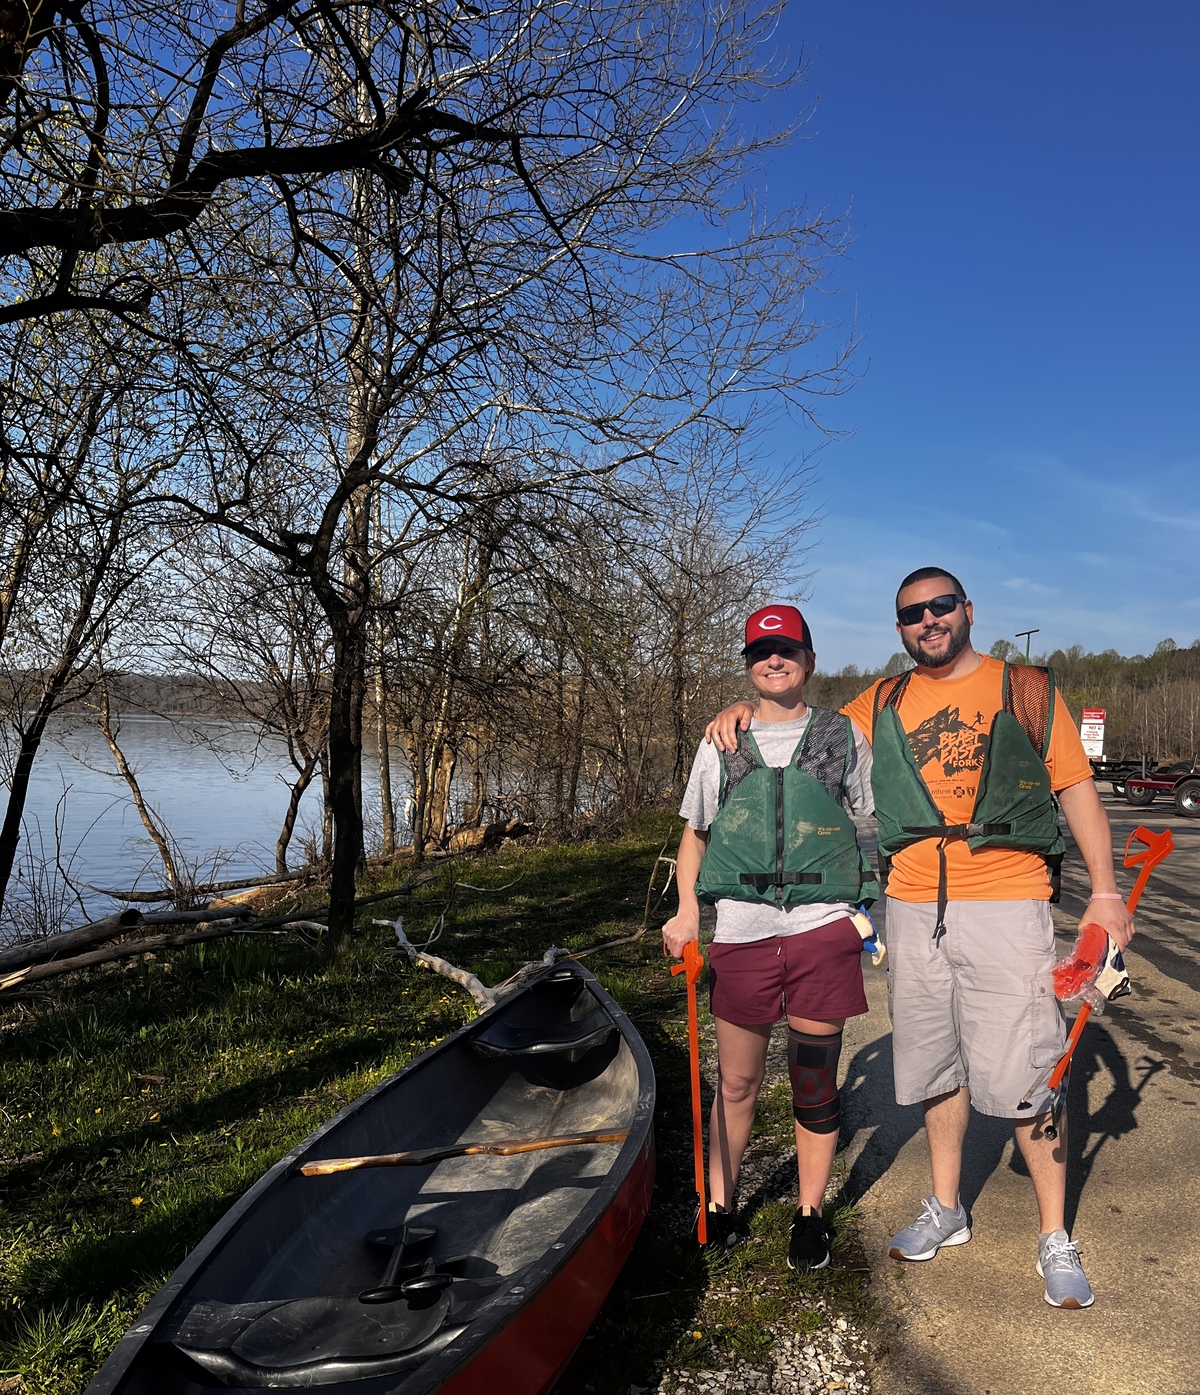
(816, 974)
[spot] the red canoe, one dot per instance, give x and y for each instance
(473, 1275)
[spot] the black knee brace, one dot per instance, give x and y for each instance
(813, 1065)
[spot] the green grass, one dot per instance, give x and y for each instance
(679, 1309)
(136, 1107)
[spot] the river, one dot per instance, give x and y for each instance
(215, 784)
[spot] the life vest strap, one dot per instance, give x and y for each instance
(761, 880)
(942, 832)
(960, 830)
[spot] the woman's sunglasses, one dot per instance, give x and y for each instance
(764, 648)
(939, 606)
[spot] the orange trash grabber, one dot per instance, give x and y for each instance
(693, 962)
(1157, 847)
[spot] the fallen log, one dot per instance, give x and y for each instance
(206, 913)
(37, 973)
(238, 883)
(207, 889)
(70, 942)
(39, 959)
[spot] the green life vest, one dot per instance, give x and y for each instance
(781, 835)
(1013, 804)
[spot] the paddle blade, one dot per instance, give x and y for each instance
(1073, 974)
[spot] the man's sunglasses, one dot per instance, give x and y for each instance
(939, 606)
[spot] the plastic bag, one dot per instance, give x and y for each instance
(1094, 970)
(1080, 968)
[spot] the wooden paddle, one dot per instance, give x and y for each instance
(421, 1157)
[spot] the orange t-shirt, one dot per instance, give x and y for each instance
(948, 721)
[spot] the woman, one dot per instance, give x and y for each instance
(770, 841)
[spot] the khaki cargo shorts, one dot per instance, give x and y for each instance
(978, 1008)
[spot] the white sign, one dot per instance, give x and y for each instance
(1091, 729)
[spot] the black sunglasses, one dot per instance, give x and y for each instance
(764, 648)
(938, 606)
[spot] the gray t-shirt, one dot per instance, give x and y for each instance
(740, 922)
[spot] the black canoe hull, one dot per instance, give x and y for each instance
(500, 1263)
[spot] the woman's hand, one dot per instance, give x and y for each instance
(684, 925)
(679, 930)
(723, 729)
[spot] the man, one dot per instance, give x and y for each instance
(966, 753)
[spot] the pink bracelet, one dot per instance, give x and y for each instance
(1106, 896)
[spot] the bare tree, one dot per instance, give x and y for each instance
(79, 456)
(424, 255)
(259, 637)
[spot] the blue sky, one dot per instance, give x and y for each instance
(1025, 272)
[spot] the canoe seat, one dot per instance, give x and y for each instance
(311, 1341)
(571, 1039)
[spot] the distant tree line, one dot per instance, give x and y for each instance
(1152, 701)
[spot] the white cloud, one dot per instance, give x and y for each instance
(1033, 588)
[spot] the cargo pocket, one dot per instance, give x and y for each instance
(1047, 1025)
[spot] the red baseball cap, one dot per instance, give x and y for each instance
(778, 622)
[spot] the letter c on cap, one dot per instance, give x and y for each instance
(770, 622)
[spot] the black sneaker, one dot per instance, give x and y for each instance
(721, 1226)
(809, 1245)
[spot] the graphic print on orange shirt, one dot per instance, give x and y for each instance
(948, 721)
(949, 754)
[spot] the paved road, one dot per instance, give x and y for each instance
(972, 1321)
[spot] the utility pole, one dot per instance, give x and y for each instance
(1025, 635)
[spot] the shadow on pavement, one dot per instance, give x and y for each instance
(868, 1103)
(1098, 1054)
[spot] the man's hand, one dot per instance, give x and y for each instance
(1088, 822)
(724, 727)
(1113, 916)
(679, 930)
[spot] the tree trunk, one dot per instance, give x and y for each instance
(10, 831)
(345, 767)
(386, 803)
(387, 806)
(560, 738)
(577, 738)
(52, 689)
(420, 795)
(327, 810)
(441, 756)
(440, 811)
(283, 842)
(679, 708)
(149, 823)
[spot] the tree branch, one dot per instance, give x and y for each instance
(60, 300)
(87, 230)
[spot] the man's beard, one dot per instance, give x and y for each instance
(960, 637)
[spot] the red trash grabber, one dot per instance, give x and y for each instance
(1157, 846)
(693, 962)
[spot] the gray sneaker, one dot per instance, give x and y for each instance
(937, 1225)
(1058, 1263)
